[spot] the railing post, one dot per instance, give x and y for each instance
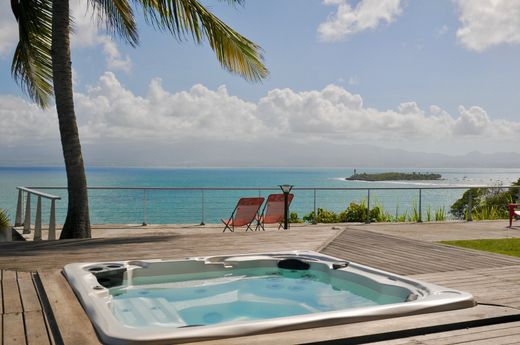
(52, 221)
(38, 220)
(8, 234)
(470, 207)
(419, 220)
(286, 189)
(144, 207)
(27, 221)
(367, 221)
(18, 219)
(202, 208)
(315, 215)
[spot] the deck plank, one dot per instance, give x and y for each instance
(11, 295)
(1, 297)
(490, 334)
(504, 340)
(462, 336)
(36, 328)
(67, 310)
(30, 301)
(33, 256)
(343, 334)
(408, 256)
(14, 332)
(487, 286)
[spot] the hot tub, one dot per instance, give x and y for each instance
(168, 301)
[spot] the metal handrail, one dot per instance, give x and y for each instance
(368, 189)
(271, 188)
(38, 221)
(35, 192)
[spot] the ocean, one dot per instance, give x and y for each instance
(185, 207)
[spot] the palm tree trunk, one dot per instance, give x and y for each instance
(77, 223)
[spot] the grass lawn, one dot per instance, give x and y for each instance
(507, 246)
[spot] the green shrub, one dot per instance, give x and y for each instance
(293, 218)
(4, 219)
(459, 209)
(354, 213)
(380, 215)
(487, 203)
(400, 217)
(358, 213)
(497, 203)
(487, 213)
(323, 216)
(415, 216)
(440, 214)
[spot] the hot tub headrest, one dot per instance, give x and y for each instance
(293, 264)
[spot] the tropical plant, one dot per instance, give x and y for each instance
(459, 208)
(487, 203)
(293, 218)
(322, 216)
(400, 217)
(487, 212)
(354, 213)
(5, 228)
(415, 216)
(42, 65)
(4, 219)
(358, 213)
(440, 214)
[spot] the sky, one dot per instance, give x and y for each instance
(371, 79)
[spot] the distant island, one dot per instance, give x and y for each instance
(394, 176)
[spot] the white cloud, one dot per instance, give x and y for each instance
(367, 14)
(22, 122)
(109, 113)
(87, 33)
(472, 121)
(487, 23)
(110, 110)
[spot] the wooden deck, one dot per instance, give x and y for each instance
(33, 256)
(40, 308)
(21, 317)
(406, 256)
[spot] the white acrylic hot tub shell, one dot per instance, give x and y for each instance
(96, 300)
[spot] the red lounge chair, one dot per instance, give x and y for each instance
(513, 212)
(273, 211)
(244, 213)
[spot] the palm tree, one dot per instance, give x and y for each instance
(42, 65)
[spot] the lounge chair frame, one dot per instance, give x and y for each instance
(272, 198)
(231, 222)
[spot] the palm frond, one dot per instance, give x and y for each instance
(4, 219)
(119, 19)
(188, 17)
(32, 62)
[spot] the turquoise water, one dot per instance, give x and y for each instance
(186, 207)
(240, 295)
